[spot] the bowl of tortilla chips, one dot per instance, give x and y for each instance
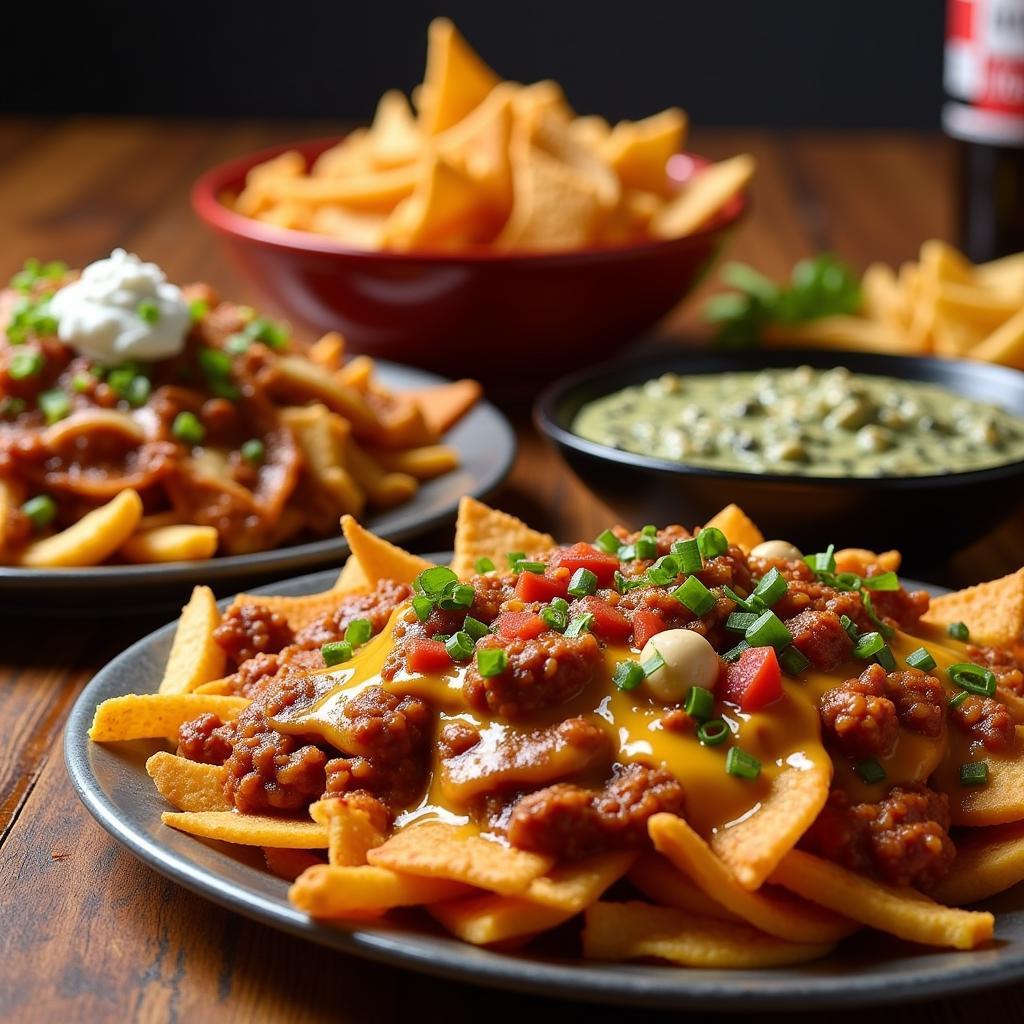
(492, 216)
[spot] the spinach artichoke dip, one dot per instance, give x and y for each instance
(802, 420)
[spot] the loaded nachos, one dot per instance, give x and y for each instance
(711, 749)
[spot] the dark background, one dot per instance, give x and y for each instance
(777, 63)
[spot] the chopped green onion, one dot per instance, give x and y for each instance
(664, 571)
(650, 530)
(475, 628)
(768, 630)
(884, 581)
(688, 553)
(215, 363)
(11, 407)
(456, 596)
(554, 618)
(236, 344)
(358, 631)
(734, 652)
(535, 567)
(262, 328)
(628, 675)
(921, 659)
(751, 604)
(771, 587)
(579, 625)
(646, 548)
(483, 565)
(850, 626)
(582, 583)
(491, 661)
(254, 451)
(460, 646)
(793, 661)
(337, 652)
(957, 699)
(699, 703)
(873, 645)
(607, 542)
(441, 638)
(973, 678)
(515, 556)
(26, 364)
(737, 622)
(959, 631)
(713, 732)
(41, 510)
(197, 309)
(148, 311)
(54, 405)
(432, 582)
(869, 607)
(626, 553)
(623, 584)
(823, 561)
(695, 596)
(35, 271)
(973, 773)
(187, 428)
(81, 382)
(653, 663)
(870, 770)
(422, 606)
(712, 542)
(741, 764)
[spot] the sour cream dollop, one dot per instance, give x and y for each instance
(121, 309)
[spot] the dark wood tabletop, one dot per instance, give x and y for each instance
(89, 933)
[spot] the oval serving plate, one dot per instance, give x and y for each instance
(486, 446)
(112, 783)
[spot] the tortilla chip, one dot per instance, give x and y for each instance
(776, 913)
(326, 891)
(443, 405)
(249, 829)
(299, 611)
(351, 579)
(572, 887)
(94, 538)
(379, 559)
(143, 716)
(754, 847)
(738, 527)
(289, 864)
(489, 919)
(437, 850)
(195, 656)
(703, 196)
(188, 785)
(988, 861)
(482, 532)
(351, 833)
(456, 80)
(635, 931)
(394, 137)
(551, 131)
(660, 880)
(993, 611)
(999, 801)
(905, 913)
(640, 150)
(859, 559)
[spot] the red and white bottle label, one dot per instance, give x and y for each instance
(984, 71)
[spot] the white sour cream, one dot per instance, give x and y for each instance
(108, 313)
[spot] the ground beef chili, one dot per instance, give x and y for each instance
(205, 739)
(251, 629)
(376, 606)
(570, 822)
(858, 719)
(903, 839)
(821, 638)
(985, 719)
(1004, 665)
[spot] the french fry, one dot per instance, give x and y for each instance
(249, 829)
(326, 891)
(420, 463)
(296, 378)
(195, 656)
(179, 543)
(384, 488)
(155, 715)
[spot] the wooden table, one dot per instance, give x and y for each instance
(89, 933)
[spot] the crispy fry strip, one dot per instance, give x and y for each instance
(195, 656)
(188, 785)
(327, 891)
(155, 715)
(249, 829)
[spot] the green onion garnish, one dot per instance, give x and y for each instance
(973, 773)
(456, 596)
(11, 407)
(664, 571)
(873, 645)
(713, 732)
(422, 606)
(823, 561)
(738, 622)
(483, 565)
(973, 678)
(870, 770)
(582, 583)
(555, 618)
(653, 663)
(793, 661)
(26, 364)
(491, 661)
(751, 604)
(337, 652)
(432, 582)
(712, 542)
(535, 567)
(623, 584)
(689, 556)
(273, 335)
(650, 530)
(579, 625)
(850, 626)
(254, 451)
(607, 542)
(646, 548)
(957, 699)
(921, 659)
(358, 631)
(768, 630)
(188, 429)
(215, 363)
(699, 703)
(148, 311)
(734, 652)
(626, 553)
(959, 631)
(741, 764)
(771, 587)
(515, 556)
(81, 382)
(628, 675)
(35, 271)
(54, 405)
(441, 638)
(197, 309)
(695, 596)
(475, 628)
(460, 646)
(884, 581)
(236, 344)
(41, 510)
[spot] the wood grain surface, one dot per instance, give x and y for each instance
(87, 933)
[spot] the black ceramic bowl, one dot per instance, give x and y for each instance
(927, 517)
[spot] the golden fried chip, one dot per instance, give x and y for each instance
(551, 131)
(188, 785)
(738, 527)
(1005, 275)
(703, 196)
(297, 379)
(371, 192)
(858, 560)
(249, 829)
(774, 912)
(635, 931)
(488, 919)
(905, 913)
(988, 861)
(482, 532)
(195, 656)
(999, 801)
(143, 716)
(993, 611)
(394, 136)
(753, 847)
(327, 891)
(572, 887)
(94, 538)
(437, 850)
(359, 229)
(456, 80)
(351, 156)
(661, 881)
(423, 463)
(443, 405)
(182, 542)
(289, 864)
(639, 151)
(298, 611)
(351, 830)
(842, 332)
(379, 559)
(351, 579)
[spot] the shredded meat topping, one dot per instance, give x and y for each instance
(251, 629)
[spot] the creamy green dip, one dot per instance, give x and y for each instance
(801, 420)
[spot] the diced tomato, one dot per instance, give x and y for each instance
(754, 680)
(426, 656)
(645, 625)
(519, 625)
(584, 556)
(609, 623)
(532, 587)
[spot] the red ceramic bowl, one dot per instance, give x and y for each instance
(516, 318)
